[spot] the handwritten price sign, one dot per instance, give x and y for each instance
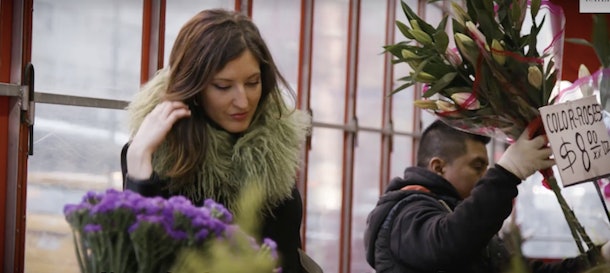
(579, 139)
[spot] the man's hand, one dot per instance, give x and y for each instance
(526, 156)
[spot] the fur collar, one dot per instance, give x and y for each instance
(266, 156)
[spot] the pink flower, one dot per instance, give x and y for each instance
(453, 57)
(466, 100)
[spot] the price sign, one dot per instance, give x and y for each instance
(579, 139)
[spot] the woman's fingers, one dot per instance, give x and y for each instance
(159, 121)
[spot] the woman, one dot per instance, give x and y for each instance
(215, 122)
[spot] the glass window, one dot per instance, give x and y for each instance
(544, 224)
(365, 194)
(402, 154)
(178, 12)
(371, 63)
(324, 186)
(76, 150)
(402, 102)
(80, 48)
(86, 48)
(279, 22)
(329, 60)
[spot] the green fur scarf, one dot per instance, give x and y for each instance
(266, 156)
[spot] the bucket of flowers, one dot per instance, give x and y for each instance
(502, 70)
(124, 232)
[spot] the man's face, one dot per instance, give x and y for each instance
(465, 171)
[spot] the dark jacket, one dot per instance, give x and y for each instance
(282, 225)
(439, 232)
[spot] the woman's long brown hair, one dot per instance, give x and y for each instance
(204, 45)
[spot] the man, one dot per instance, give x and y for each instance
(445, 213)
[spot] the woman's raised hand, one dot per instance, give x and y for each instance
(152, 132)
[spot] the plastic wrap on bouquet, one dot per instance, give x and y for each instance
(508, 84)
(597, 84)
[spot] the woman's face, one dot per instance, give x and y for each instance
(233, 95)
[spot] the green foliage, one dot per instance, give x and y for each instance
(493, 60)
(600, 39)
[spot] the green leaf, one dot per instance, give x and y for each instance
(489, 26)
(459, 13)
(441, 41)
(413, 16)
(532, 43)
(437, 67)
(440, 84)
(442, 25)
(515, 13)
(457, 27)
(535, 7)
(402, 87)
(404, 29)
(488, 5)
(407, 78)
(579, 41)
(547, 88)
(472, 11)
(395, 50)
(600, 39)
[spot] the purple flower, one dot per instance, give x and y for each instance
(92, 197)
(174, 223)
(176, 234)
(272, 245)
(201, 235)
(69, 209)
(149, 206)
(179, 200)
(90, 228)
(200, 221)
(152, 219)
(218, 210)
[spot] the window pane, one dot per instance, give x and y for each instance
(328, 67)
(324, 197)
(76, 149)
(87, 48)
(371, 63)
(366, 194)
(402, 102)
(542, 221)
(434, 14)
(401, 156)
(180, 11)
(279, 22)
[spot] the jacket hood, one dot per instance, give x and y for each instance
(439, 187)
(423, 177)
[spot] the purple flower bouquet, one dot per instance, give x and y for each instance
(122, 231)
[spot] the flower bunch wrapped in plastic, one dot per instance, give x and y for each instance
(122, 231)
(497, 77)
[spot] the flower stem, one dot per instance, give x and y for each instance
(577, 230)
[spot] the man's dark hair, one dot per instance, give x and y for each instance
(444, 141)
